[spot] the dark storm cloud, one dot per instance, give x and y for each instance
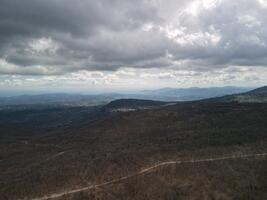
(59, 36)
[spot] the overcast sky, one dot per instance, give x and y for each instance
(89, 45)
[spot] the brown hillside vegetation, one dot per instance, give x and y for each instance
(92, 153)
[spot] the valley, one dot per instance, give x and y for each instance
(92, 152)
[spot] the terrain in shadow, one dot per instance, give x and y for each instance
(92, 151)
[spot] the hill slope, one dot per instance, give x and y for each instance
(125, 143)
(258, 95)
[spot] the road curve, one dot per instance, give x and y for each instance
(147, 170)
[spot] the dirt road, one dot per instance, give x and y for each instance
(147, 170)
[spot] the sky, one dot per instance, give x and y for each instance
(109, 45)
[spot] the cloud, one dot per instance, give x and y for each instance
(56, 37)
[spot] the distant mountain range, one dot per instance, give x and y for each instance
(194, 93)
(58, 110)
(164, 94)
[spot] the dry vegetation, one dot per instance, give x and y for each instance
(35, 165)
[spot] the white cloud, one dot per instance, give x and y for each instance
(263, 3)
(43, 45)
(133, 42)
(195, 7)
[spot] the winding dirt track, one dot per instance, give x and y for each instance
(147, 170)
